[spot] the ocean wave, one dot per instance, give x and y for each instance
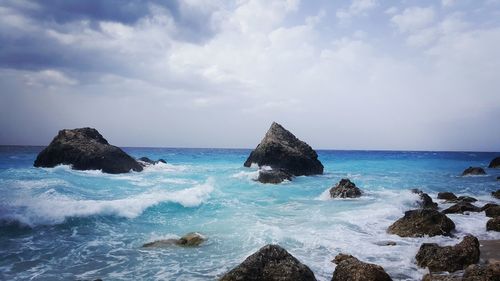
(249, 175)
(53, 208)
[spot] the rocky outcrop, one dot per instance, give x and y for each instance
(447, 196)
(350, 268)
(449, 258)
(483, 272)
(280, 149)
(191, 239)
(491, 210)
(493, 224)
(417, 223)
(459, 199)
(145, 161)
(273, 176)
(473, 171)
(442, 277)
(270, 263)
(495, 163)
(86, 149)
(496, 194)
(426, 202)
(345, 189)
(461, 207)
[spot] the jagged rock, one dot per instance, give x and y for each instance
(459, 199)
(491, 210)
(280, 149)
(495, 163)
(426, 202)
(484, 272)
(447, 196)
(145, 161)
(350, 268)
(493, 224)
(270, 263)
(473, 171)
(191, 239)
(461, 207)
(496, 194)
(86, 149)
(449, 258)
(273, 176)
(345, 189)
(417, 223)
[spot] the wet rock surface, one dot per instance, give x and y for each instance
(273, 176)
(495, 163)
(473, 171)
(417, 223)
(493, 224)
(446, 196)
(345, 189)
(461, 207)
(350, 268)
(191, 239)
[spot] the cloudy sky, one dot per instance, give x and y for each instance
(359, 74)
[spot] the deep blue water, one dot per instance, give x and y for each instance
(60, 224)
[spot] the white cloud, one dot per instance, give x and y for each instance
(448, 3)
(357, 7)
(414, 18)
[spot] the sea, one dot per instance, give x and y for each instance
(62, 224)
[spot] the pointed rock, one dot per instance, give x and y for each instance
(86, 149)
(280, 149)
(345, 189)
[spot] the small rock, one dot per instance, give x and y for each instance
(273, 176)
(350, 268)
(447, 196)
(191, 239)
(162, 161)
(496, 194)
(493, 224)
(449, 258)
(484, 272)
(145, 161)
(495, 163)
(492, 211)
(462, 199)
(462, 207)
(426, 202)
(270, 263)
(473, 171)
(345, 189)
(417, 223)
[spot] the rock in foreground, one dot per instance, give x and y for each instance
(461, 207)
(273, 176)
(449, 258)
(280, 149)
(270, 263)
(495, 163)
(473, 171)
(350, 268)
(484, 272)
(493, 224)
(496, 194)
(191, 239)
(345, 189)
(417, 223)
(86, 149)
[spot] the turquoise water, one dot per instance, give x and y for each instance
(60, 224)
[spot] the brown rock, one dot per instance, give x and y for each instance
(345, 189)
(447, 196)
(350, 268)
(462, 207)
(493, 224)
(417, 223)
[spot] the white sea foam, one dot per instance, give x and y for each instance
(51, 207)
(250, 175)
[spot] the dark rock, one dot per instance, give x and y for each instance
(86, 149)
(447, 196)
(270, 263)
(496, 194)
(495, 163)
(280, 149)
(426, 202)
(498, 178)
(162, 161)
(350, 268)
(492, 211)
(449, 258)
(146, 161)
(416, 191)
(191, 239)
(442, 277)
(345, 189)
(417, 223)
(273, 176)
(493, 224)
(484, 272)
(473, 171)
(462, 207)
(488, 205)
(459, 199)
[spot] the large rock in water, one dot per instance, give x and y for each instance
(86, 149)
(270, 263)
(473, 171)
(495, 163)
(350, 268)
(280, 149)
(417, 223)
(273, 176)
(345, 189)
(493, 224)
(449, 258)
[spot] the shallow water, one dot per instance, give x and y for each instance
(60, 224)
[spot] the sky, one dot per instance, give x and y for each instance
(359, 74)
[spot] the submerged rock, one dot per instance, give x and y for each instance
(417, 223)
(273, 176)
(484, 272)
(191, 239)
(493, 224)
(495, 163)
(280, 149)
(270, 263)
(447, 196)
(449, 258)
(496, 194)
(345, 189)
(144, 161)
(86, 149)
(473, 171)
(350, 268)
(461, 207)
